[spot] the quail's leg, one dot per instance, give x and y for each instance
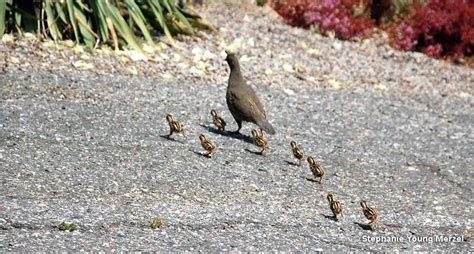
(300, 161)
(239, 123)
(171, 132)
(320, 179)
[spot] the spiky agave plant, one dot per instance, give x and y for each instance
(100, 21)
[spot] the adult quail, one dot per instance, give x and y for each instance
(242, 101)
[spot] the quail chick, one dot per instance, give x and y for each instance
(241, 99)
(175, 126)
(297, 152)
(260, 140)
(336, 206)
(369, 213)
(207, 145)
(316, 169)
(218, 121)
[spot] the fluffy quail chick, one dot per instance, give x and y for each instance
(369, 213)
(207, 145)
(336, 206)
(316, 169)
(175, 126)
(260, 140)
(297, 152)
(218, 121)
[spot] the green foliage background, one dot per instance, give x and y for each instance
(100, 21)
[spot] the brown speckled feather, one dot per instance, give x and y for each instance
(242, 101)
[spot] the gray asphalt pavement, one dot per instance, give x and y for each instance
(88, 149)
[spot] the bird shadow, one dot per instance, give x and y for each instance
(254, 152)
(312, 180)
(235, 135)
(202, 154)
(291, 163)
(329, 217)
(171, 139)
(364, 226)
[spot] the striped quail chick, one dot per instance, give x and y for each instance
(175, 126)
(336, 206)
(260, 140)
(218, 121)
(369, 213)
(297, 152)
(207, 145)
(316, 169)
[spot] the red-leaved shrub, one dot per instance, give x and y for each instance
(439, 28)
(291, 11)
(402, 36)
(326, 15)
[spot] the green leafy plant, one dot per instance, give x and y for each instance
(100, 21)
(156, 223)
(66, 227)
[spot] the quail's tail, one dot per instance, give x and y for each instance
(266, 126)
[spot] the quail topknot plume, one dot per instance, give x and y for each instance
(242, 101)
